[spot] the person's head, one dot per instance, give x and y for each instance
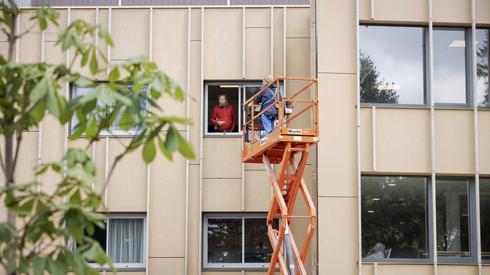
(267, 79)
(222, 100)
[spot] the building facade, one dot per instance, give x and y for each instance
(401, 176)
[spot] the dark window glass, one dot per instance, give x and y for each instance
(392, 64)
(394, 217)
(449, 66)
(224, 240)
(257, 245)
(453, 236)
(485, 217)
(482, 42)
(100, 235)
(223, 118)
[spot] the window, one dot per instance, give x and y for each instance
(392, 64)
(236, 241)
(394, 218)
(482, 89)
(453, 223)
(123, 239)
(115, 129)
(450, 66)
(226, 118)
(485, 217)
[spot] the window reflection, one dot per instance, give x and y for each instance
(485, 217)
(257, 244)
(394, 217)
(482, 42)
(224, 240)
(449, 66)
(392, 64)
(452, 218)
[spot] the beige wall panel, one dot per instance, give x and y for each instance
(367, 269)
(456, 270)
(195, 92)
(482, 14)
(54, 55)
(173, 266)
(258, 17)
(298, 22)
(134, 22)
(27, 159)
(486, 270)
(484, 141)
(298, 59)
(4, 49)
(343, 235)
(30, 44)
(278, 41)
(223, 44)
(337, 148)
(127, 187)
(403, 140)
(366, 140)
(222, 158)
(406, 270)
(52, 144)
(364, 9)
(170, 42)
(452, 11)
(196, 25)
(193, 221)
(170, 52)
(454, 141)
(336, 36)
(104, 21)
(167, 207)
(257, 52)
(401, 10)
(257, 191)
(221, 195)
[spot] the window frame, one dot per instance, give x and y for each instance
(125, 266)
(230, 266)
(484, 260)
(109, 133)
(468, 71)
(239, 112)
(472, 222)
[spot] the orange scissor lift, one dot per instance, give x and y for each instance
(288, 146)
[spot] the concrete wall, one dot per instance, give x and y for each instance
(403, 139)
(236, 44)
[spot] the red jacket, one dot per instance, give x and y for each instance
(226, 114)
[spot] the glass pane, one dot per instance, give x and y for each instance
(394, 217)
(224, 240)
(257, 245)
(126, 238)
(452, 218)
(392, 64)
(449, 66)
(485, 217)
(222, 108)
(482, 42)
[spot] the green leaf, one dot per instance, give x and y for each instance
(93, 63)
(38, 266)
(185, 148)
(39, 90)
(172, 140)
(92, 128)
(149, 151)
(163, 149)
(114, 74)
(127, 121)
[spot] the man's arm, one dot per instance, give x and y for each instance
(213, 121)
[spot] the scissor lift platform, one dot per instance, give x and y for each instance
(289, 147)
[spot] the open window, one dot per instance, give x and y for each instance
(226, 119)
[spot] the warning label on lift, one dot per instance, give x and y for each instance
(295, 131)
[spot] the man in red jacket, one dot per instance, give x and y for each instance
(223, 116)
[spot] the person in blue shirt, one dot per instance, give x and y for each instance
(265, 99)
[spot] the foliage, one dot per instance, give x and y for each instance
(369, 84)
